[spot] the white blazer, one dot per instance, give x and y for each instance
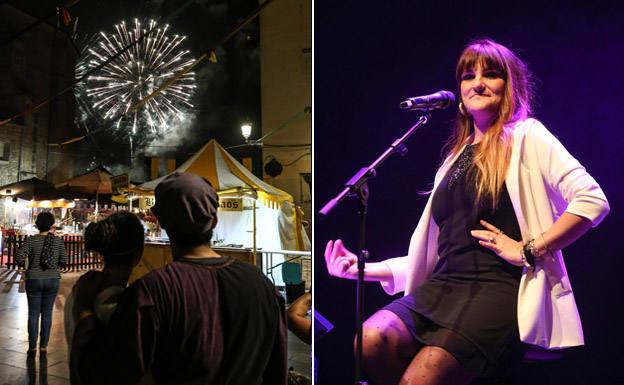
(543, 181)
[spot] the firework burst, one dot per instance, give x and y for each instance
(115, 88)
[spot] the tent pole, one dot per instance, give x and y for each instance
(254, 232)
(5, 222)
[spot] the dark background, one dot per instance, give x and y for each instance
(369, 57)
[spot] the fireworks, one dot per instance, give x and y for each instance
(114, 89)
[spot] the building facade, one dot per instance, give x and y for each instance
(286, 97)
(36, 64)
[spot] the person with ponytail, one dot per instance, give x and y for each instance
(119, 239)
(42, 255)
(203, 318)
(484, 277)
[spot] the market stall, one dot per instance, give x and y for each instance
(250, 209)
(93, 184)
(22, 201)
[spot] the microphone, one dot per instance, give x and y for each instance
(437, 101)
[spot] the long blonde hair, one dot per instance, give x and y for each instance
(494, 152)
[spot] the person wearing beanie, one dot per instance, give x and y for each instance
(202, 319)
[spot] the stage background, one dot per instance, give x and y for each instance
(368, 56)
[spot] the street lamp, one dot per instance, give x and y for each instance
(246, 131)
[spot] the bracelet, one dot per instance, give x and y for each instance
(546, 248)
(533, 249)
(523, 257)
(530, 252)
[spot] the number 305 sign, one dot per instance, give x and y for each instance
(231, 204)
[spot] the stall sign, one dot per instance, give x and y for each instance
(146, 202)
(231, 204)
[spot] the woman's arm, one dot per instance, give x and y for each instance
(586, 202)
(563, 174)
(567, 229)
(343, 264)
(298, 323)
(23, 253)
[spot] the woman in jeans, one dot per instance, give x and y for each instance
(45, 253)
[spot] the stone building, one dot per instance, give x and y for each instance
(286, 97)
(35, 64)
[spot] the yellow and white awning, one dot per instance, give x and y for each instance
(225, 173)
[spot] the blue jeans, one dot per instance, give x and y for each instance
(41, 294)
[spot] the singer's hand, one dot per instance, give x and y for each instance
(340, 262)
(495, 240)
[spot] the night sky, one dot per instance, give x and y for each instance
(228, 92)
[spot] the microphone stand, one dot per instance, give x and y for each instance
(357, 187)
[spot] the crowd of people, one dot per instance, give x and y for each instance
(202, 319)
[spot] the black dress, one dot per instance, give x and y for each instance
(468, 305)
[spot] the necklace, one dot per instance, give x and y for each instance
(462, 164)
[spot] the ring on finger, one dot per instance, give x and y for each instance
(493, 240)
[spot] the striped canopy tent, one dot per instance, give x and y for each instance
(227, 175)
(268, 218)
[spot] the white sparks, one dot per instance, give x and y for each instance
(135, 73)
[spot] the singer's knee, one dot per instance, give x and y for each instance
(374, 342)
(383, 336)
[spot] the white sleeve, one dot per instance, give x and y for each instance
(397, 266)
(565, 175)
